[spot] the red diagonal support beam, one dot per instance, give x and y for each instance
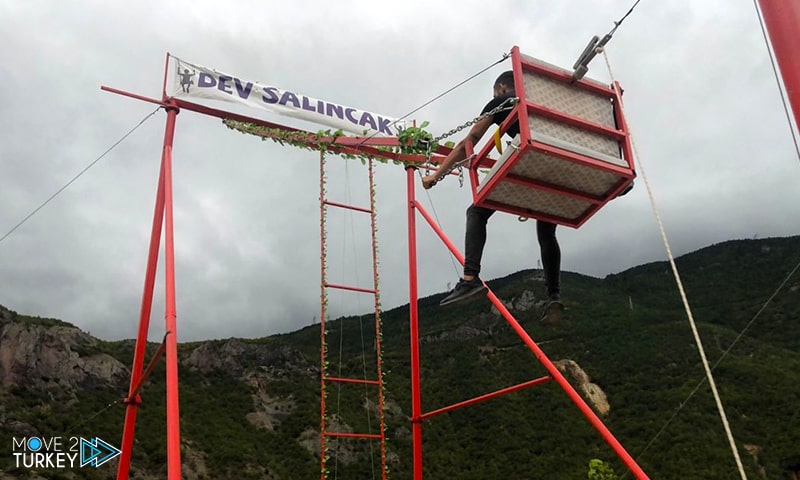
(485, 397)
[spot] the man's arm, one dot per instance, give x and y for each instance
(459, 152)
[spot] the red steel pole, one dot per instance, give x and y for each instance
(164, 96)
(170, 314)
(416, 402)
(133, 399)
(573, 395)
(782, 18)
(555, 374)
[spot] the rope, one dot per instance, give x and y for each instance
(724, 354)
(341, 325)
(78, 175)
(350, 216)
(595, 46)
(619, 22)
(778, 81)
(439, 224)
(437, 97)
(100, 412)
(699, 343)
(361, 333)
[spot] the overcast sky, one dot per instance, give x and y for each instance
(699, 90)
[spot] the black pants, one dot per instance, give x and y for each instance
(477, 217)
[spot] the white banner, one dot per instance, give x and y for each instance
(195, 81)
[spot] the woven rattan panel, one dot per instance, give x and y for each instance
(575, 136)
(538, 200)
(557, 171)
(568, 99)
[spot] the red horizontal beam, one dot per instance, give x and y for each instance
(549, 188)
(352, 145)
(566, 77)
(349, 207)
(576, 121)
(351, 380)
(352, 289)
(133, 95)
(215, 112)
(354, 435)
(582, 159)
(537, 214)
(488, 396)
(346, 145)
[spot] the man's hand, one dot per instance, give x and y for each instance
(428, 181)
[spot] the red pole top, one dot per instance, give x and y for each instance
(782, 19)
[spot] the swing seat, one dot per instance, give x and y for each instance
(572, 155)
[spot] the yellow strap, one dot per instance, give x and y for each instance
(497, 143)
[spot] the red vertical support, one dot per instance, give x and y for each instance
(133, 400)
(782, 18)
(170, 314)
(416, 402)
(164, 96)
(519, 89)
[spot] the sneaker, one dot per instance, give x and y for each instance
(464, 289)
(626, 190)
(551, 313)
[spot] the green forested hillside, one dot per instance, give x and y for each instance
(628, 332)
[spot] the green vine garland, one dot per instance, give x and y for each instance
(413, 140)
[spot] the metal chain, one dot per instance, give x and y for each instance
(507, 104)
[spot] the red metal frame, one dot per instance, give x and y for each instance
(413, 309)
(133, 400)
(350, 288)
(417, 416)
(782, 19)
(520, 64)
(163, 219)
(163, 216)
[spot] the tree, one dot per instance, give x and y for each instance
(598, 470)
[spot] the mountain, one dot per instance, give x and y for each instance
(250, 407)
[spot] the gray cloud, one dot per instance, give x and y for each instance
(699, 92)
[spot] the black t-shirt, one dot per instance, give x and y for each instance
(500, 116)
